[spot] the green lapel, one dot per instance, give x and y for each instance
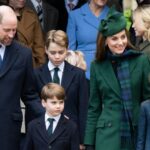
(109, 76)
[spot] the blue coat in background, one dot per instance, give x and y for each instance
(143, 140)
(82, 30)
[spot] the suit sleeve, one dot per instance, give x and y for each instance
(71, 31)
(94, 109)
(83, 104)
(141, 128)
(29, 95)
(74, 138)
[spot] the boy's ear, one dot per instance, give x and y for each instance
(43, 103)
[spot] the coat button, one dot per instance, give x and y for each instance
(109, 124)
(49, 147)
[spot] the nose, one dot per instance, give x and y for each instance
(56, 55)
(120, 41)
(133, 25)
(11, 34)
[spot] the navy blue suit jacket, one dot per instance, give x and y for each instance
(16, 81)
(75, 85)
(65, 136)
(143, 140)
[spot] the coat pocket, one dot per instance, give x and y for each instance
(104, 123)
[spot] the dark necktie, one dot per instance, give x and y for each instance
(56, 77)
(50, 128)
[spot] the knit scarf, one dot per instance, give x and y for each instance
(123, 76)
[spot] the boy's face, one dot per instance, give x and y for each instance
(53, 106)
(56, 54)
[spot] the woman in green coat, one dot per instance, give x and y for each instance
(119, 82)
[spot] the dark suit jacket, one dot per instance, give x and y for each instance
(16, 81)
(143, 140)
(65, 136)
(63, 14)
(75, 85)
(50, 15)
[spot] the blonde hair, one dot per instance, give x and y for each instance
(76, 58)
(57, 36)
(52, 90)
(144, 11)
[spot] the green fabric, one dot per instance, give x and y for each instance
(104, 111)
(113, 23)
(128, 15)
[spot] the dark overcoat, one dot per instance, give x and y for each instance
(65, 136)
(75, 85)
(16, 81)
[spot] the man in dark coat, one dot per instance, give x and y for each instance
(16, 81)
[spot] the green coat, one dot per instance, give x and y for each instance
(103, 120)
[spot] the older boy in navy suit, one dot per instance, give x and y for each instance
(53, 130)
(71, 78)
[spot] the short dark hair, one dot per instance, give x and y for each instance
(52, 90)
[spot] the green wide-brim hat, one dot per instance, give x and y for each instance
(113, 23)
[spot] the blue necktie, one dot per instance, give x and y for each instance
(50, 128)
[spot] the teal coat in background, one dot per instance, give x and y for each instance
(104, 112)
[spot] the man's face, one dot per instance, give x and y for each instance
(17, 4)
(56, 54)
(8, 28)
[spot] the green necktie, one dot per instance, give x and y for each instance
(50, 128)
(56, 77)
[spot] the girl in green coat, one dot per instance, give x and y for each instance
(118, 84)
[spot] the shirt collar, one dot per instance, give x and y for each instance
(50, 116)
(51, 66)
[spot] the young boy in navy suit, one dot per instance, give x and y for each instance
(52, 130)
(71, 78)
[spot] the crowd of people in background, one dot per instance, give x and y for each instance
(81, 69)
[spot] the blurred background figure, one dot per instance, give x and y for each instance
(82, 28)
(76, 58)
(47, 14)
(29, 31)
(63, 8)
(141, 25)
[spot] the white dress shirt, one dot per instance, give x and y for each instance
(2, 50)
(55, 122)
(60, 71)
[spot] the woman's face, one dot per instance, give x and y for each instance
(100, 3)
(117, 43)
(138, 24)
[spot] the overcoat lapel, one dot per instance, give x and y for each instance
(110, 77)
(45, 75)
(59, 129)
(11, 55)
(41, 128)
(68, 75)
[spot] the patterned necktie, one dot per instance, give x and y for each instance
(40, 13)
(56, 77)
(50, 128)
(71, 4)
